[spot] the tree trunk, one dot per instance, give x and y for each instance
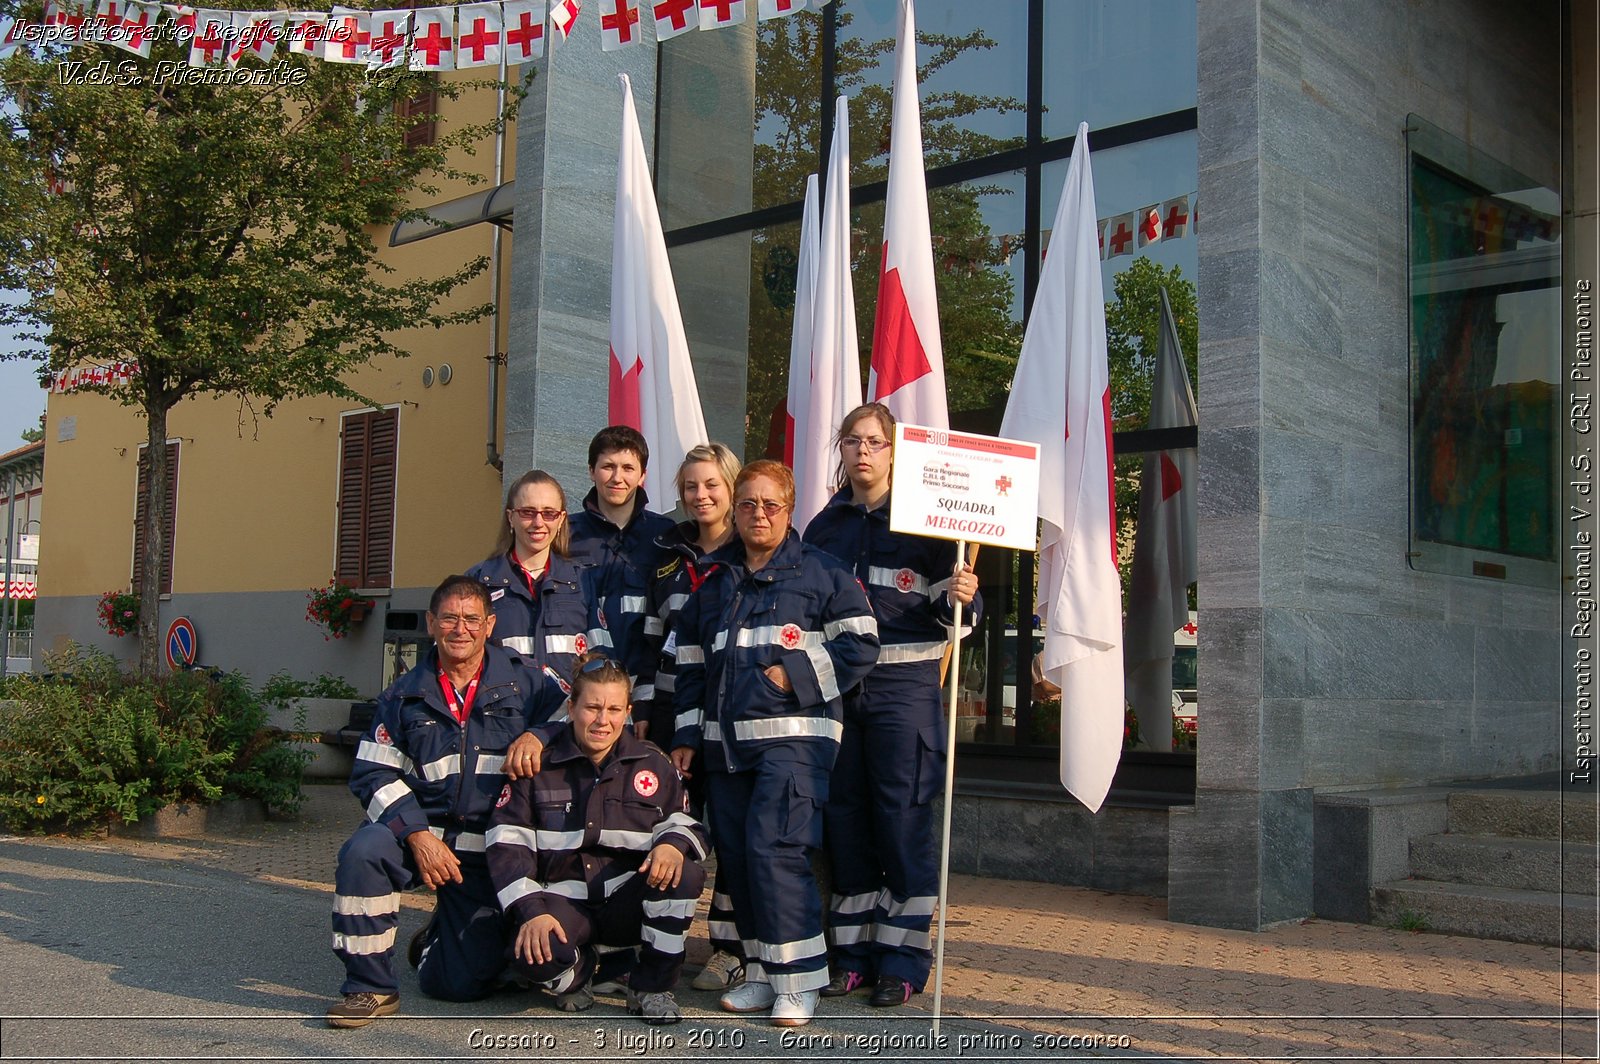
(151, 654)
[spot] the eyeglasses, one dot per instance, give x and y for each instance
(529, 513)
(870, 444)
(748, 507)
(471, 625)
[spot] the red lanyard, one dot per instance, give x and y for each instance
(527, 575)
(463, 709)
(696, 578)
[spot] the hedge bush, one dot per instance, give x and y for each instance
(87, 744)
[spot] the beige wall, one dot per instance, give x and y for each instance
(256, 496)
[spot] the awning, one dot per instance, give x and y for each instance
(492, 205)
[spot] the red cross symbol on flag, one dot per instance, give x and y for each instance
(1149, 225)
(790, 636)
(616, 26)
(389, 36)
(348, 38)
(433, 46)
(1176, 220)
(477, 45)
(716, 13)
(524, 33)
(672, 18)
(1190, 629)
(1121, 235)
(207, 44)
(563, 14)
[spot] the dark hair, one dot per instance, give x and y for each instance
(619, 438)
(766, 467)
(841, 479)
(459, 586)
(597, 666)
(559, 542)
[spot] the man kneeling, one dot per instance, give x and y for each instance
(598, 849)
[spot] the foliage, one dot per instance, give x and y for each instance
(35, 434)
(336, 607)
(88, 744)
(980, 337)
(282, 689)
(118, 612)
(220, 237)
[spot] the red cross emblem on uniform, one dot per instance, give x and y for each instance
(790, 636)
(1002, 486)
(646, 782)
(382, 735)
(905, 579)
(579, 645)
(505, 796)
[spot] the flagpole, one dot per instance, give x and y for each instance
(949, 796)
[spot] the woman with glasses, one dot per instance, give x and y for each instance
(764, 650)
(891, 758)
(705, 489)
(540, 601)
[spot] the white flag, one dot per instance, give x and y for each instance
(652, 386)
(305, 32)
(238, 31)
(619, 24)
(799, 451)
(433, 41)
(770, 9)
(1120, 234)
(259, 39)
(674, 17)
(479, 31)
(1163, 547)
(1149, 222)
(391, 30)
(349, 36)
(907, 352)
(835, 387)
(524, 30)
(130, 26)
(718, 14)
(1061, 400)
(211, 43)
(563, 13)
(1175, 218)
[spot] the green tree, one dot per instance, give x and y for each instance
(34, 434)
(220, 237)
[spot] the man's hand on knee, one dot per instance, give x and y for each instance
(524, 756)
(435, 863)
(663, 868)
(533, 939)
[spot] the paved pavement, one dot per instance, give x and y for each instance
(216, 948)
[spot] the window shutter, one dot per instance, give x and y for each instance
(369, 447)
(139, 517)
(422, 110)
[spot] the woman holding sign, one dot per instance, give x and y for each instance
(879, 818)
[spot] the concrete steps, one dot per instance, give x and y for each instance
(1513, 865)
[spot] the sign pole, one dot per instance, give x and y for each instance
(949, 797)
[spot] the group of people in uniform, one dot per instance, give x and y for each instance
(608, 679)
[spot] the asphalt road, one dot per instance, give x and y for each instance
(109, 956)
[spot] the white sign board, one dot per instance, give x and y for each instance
(956, 485)
(28, 548)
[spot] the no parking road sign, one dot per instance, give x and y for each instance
(182, 644)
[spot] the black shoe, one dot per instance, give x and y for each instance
(419, 943)
(890, 991)
(845, 982)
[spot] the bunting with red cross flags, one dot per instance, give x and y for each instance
(523, 29)
(563, 14)
(619, 24)
(184, 20)
(259, 39)
(349, 37)
(391, 29)
(1119, 235)
(1149, 222)
(433, 40)
(305, 32)
(238, 29)
(719, 14)
(771, 9)
(479, 32)
(1175, 218)
(209, 47)
(674, 17)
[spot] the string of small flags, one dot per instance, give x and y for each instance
(72, 379)
(453, 37)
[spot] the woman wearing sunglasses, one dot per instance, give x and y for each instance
(763, 651)
(891, 758)
(540, 602)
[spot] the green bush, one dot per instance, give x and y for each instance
(88, 744)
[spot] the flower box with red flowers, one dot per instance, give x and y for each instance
(337, 608)
(118, 612)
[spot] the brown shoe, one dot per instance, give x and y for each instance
(360, 1009)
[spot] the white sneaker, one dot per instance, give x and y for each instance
(794, 1010)
(719, 972)
(748, 997)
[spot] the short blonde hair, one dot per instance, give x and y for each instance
(718, 454)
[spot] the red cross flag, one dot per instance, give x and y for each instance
(674, 17)
(349, 36)
(238, 29)
(305, 32)
(834, 386)
(619, 24)
(1061, 400)
(1149, 222)
(1175, 218)
(210, 45)
(134, 29)
(805, 288)
(478, 35)
(524, 29)
(391, 29)
(1164, 562)
(652, 385)
(717, 14)
(184, 21)
(563, 13)
(907, 352)
(433, 40)
(770, 9)
(1119, 235)
(259, 39)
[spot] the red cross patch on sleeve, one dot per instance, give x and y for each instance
(505, 796)
(645, 782)
(790, 636)
(382, 735)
